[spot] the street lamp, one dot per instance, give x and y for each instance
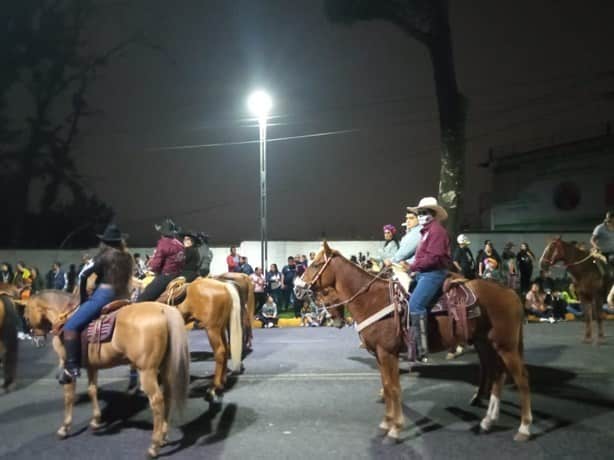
(260, 103)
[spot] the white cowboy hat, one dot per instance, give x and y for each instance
(430, 202)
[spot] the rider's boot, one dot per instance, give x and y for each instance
(72, 345)
(419, 324)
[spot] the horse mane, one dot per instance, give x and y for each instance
(334, 252)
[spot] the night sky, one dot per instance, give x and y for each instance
(529, 69)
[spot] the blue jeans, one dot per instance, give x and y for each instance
(90, 309)
(427, 285)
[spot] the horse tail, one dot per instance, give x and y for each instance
(236, 331)
(8, 336)
(176, 371)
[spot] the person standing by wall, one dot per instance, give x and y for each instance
(524, 262)
(259, 287)
(463, 258)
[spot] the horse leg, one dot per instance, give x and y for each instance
(390, 367)
(69, 402)
(486, 355)
(600, 332)
(167, 410)
(149, 383)
(515, 366)
(385, 424)
(588, 323)
(92, 391)
(218, 343)
(492, 414)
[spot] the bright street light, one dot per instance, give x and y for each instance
(260, 104)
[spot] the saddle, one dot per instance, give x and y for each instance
(459, 302)
(101, 330)
(175, 292)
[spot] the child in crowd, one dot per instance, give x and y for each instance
(268, 313)
(534, 304)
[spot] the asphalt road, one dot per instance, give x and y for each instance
(311, 393)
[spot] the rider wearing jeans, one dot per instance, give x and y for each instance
(430, 266)
(113, 267)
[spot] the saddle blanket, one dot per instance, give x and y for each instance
(101, 330)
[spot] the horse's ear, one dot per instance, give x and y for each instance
(557, 238)
(327, 250)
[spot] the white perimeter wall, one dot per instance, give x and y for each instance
(278, 251)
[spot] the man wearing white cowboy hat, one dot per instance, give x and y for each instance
(430, 266)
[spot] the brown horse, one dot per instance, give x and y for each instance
(8, 340)
(496, 334)
(216, 306)
(590, 278)
(148, 335)
(248, 300)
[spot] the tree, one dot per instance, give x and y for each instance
(51, 65)
(428, 22)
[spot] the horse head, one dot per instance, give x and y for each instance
(316, 276)
(43, 310)
(553, 253)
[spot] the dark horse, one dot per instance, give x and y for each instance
(496, 334)
(590, 277)
(8, 338)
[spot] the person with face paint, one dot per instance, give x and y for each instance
(430, 268)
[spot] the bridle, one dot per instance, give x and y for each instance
(555, 257)
(307, 287)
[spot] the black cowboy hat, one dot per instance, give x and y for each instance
(167, 228)
(189, 233)
(112, 234)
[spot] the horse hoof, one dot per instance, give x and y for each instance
(601, 341)
(522, 437)
(95, 425)
(63, 432)
(485, 425)
(587, 340)
(152, 452)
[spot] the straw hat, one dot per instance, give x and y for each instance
(430, 202)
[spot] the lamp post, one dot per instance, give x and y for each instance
(260, 103)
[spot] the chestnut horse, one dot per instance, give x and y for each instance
(8, 340)
(496, 334)
(148, 335)
(216, 306)
(592, 282)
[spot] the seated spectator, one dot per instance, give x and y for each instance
(268, 313)
(572, 302)
(559, 306)
(309, 313)
(534, 303)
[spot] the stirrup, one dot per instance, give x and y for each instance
(67, 376)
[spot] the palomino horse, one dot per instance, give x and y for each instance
(148, 335)
(246, 294)
(8, 338)
(496, 334)
(592, 283)
(216, 306)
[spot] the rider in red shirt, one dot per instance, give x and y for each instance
(167, 261)
(430, 267)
